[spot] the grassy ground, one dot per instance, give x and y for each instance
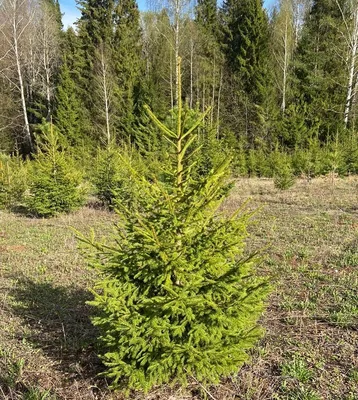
(47, 344)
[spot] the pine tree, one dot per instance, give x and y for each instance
(293, 128)
(74, 56)
(95, 36)
(56, 11)
(178, 296)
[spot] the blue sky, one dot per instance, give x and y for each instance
(71, 13)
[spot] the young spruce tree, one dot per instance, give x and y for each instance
(55, 184)
(177, 296)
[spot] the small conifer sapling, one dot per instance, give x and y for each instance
(176, 296)
(55, 183)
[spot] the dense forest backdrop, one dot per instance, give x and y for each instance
(281, 86)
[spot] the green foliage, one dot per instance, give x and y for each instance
(55, 184)
(282, 170)
(68, 111)
(293, 129)
(212, 152)
(178, 296)
(110, 34)
(207, 16)
(284, 177)
(320, 69)
(258, 163)
(13, 180)
(113, 179)
(311, 160)
(297, 368)
(245, 38)
(349, 152)
(245, 43)
(239, 162)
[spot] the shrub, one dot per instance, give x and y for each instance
(282, 170)
(177, 296)
(350, 153)
(284, 178)
(13, 181)
(55, 185)
(113, 180)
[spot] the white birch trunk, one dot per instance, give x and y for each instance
(16, 34)
(191, 71)
(177, 12)
(106, 97)
(285, 65)
(213, 94)
(352, 65)
(218, 105)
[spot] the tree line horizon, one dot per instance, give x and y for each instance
(281, 82)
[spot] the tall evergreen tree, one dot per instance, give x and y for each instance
(320, 69)
(207, 15)
(245, 39)
(111, 28)
(209, 59)
(56, 11)
(158, 60)
(128, 63)
(71, 114)
(68, 110)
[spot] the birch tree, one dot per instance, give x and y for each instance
(158, 54)
(103, 83)
(17, 20)
(48, 41)
(350, 35)
(177, 9)
(283, 47)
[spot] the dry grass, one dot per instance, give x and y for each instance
(47, 344)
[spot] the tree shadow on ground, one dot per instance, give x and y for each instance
(59, 322)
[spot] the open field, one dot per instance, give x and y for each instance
(310, 351)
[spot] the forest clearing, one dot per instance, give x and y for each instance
(179, 200)
(47, 343)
